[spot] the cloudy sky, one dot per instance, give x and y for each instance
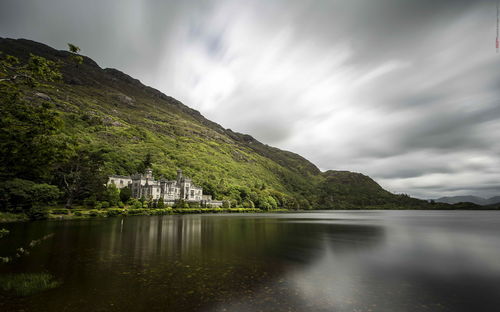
(406, 91)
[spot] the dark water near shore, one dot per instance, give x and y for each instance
(320, 261)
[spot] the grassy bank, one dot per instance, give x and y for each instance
(12, 217)
(113, 212)
(66, 214)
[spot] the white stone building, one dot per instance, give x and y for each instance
(144, 185)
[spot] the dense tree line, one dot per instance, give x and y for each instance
(39, 163)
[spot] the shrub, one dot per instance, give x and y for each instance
(181, 204)
(105, 204)
(138, 212)
(243, 210)
(194, 205)
(60, 211)
(161, 211)
(90, 201)
(97, 205)
(120, 204)
(187, 210)
(37, 213)
(94, 213)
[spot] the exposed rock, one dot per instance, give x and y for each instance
(125, 99)
(43, 96)
(74, 81)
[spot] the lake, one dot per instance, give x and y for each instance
(315, 261)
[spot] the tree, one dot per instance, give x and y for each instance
(77, 59)
(304, 204)
(146, 163)
(125, 194)
(265, 205)
(291, 203)
(26, 194)
(31, 139)
(81, 174)
(161, 203)
(272, 202)
(112, 195)
(247, 203)
(73, 48)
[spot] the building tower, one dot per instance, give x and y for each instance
(179, 176)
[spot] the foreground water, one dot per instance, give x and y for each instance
(318, 261)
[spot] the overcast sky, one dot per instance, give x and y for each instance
(405, 91)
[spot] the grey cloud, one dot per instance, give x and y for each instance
(435, 113)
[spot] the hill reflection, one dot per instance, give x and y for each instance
(189, 262)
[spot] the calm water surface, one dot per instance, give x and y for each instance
(318, 261)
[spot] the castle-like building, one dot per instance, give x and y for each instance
(144, 185)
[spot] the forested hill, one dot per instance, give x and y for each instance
(72, 132)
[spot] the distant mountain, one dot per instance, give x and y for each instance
(469, 199)
(494, 200)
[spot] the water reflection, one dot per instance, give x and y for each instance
(353, 261)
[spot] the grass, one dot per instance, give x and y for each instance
(25, 284)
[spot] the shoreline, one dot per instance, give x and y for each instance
(61, 214)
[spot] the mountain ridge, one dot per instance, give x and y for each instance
(110, 109)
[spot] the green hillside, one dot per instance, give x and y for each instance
(106, 122)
